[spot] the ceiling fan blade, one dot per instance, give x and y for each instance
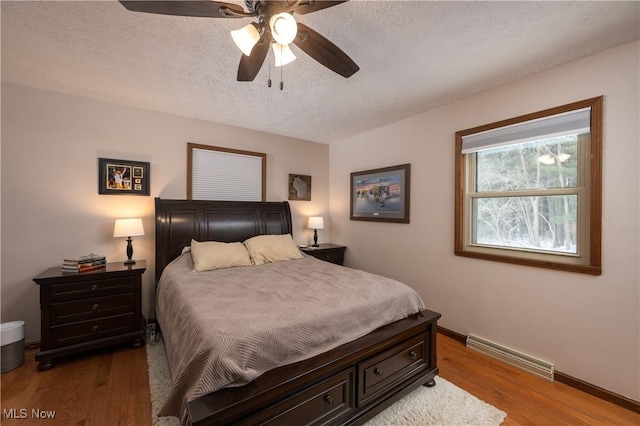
(313, 6)
(202, 8)
(325, 52)
(250, 65)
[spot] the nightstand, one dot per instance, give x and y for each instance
(328, 252)
(89, 310)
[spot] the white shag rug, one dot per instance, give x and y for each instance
(441, 405)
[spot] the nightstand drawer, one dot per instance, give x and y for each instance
(328, 252)
(95, 307)
(381, 373)
(70, 334)
(90, 288)
(336, 257)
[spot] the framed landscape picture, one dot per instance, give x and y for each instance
(381, 195)
(122, 177)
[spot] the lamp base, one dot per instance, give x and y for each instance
(129, 261)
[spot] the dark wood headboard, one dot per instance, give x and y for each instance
(179, 221)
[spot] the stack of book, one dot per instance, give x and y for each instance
(89, 262)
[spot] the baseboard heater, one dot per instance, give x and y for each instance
(517, 359)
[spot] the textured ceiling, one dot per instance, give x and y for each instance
(413, 56)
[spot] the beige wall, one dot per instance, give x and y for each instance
(588, 326)
(50, 204)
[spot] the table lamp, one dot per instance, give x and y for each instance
(315, 223)
(128, 228)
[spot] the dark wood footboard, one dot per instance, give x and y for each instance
(347, 385)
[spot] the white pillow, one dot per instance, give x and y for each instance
(210, 255)
(272, 248)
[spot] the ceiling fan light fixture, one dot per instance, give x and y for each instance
(246, 37)
(283, 54)
(283, 27)
(273, 22)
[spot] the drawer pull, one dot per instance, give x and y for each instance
(94, 287)
(413, 355)
(328, 400)
(95, 328)
(378, 372)
(95, 307)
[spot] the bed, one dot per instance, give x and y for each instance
(348, 383)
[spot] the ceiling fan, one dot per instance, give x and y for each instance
(275, 26)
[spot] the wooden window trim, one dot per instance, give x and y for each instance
(595, 192)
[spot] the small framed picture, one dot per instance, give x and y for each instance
(138, 172)
(299, 187)
(122, 177)
(381, 195)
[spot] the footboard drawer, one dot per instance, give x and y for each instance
(382, 372)
(320, 404)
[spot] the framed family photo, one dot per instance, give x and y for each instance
(381, 195)
(123, 177)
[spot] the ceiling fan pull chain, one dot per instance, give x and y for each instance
(281, 66)
(269, 62)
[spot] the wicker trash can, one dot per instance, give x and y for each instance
(12, 341)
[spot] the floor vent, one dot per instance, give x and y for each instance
(517, 359)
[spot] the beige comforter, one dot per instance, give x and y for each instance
(226, 327)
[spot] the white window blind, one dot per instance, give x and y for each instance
(569, 123)
(219, 175)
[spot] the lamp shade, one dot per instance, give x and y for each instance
(245, 38)
(283, 27)
(283, 54)
(315, 222)
(128, 228)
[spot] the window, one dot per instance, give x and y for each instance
(215, 173)
(528, 189)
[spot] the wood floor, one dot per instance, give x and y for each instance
(111, 388)
(527, 399)
(103, 389)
